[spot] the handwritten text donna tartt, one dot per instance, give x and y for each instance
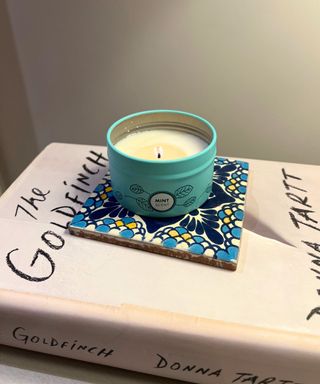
(161, 363)
(302, 215)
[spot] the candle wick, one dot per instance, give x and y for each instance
(159, 152)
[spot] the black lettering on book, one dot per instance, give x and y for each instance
(40, 258)
(74, 344)
(97, 159)
(87, 169)
(287, 176)
(268, 380)
(22, 208)
(31, 202)
(289, 186)
(179, 366)
(45, 258)
(189, 368)
(41, 196)
(35, 339)
(82, 347)
(317, 272)
(202, 370)
(298, 199)
(53, 240)
(80, 188)
(162, 363)
(296, 222)
(315, 260)
(300, 216)
(314, 246)
(250, 378)
(22, 335)
(240, 376)
(64, 210)
(53, 342)
(77, 187)
(305, 214)
(74, 199)
(105, 353)
(216, 373)
(29, 206)
(83, 179)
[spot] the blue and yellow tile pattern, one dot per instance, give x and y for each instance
(210, 234)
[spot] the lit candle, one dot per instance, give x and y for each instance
(161, 144)
(161, 162)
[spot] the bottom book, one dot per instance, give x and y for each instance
(170, 345)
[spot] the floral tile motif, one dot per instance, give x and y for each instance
(210, 234)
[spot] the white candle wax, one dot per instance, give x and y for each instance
(161, 144)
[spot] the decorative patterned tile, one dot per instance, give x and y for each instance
(210, 234)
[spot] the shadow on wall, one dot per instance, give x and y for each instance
(17, 139)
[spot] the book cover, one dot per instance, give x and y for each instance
(112, 305)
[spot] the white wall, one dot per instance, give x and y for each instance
(17, 135)
(251, 67)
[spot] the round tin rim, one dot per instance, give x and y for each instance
(207, 149)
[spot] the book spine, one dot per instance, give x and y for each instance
(156, 342)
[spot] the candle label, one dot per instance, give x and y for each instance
(162, 201)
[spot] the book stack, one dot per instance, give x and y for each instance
(127, 308)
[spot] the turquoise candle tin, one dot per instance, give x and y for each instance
(161, 180)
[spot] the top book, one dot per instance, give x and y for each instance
(241, 322)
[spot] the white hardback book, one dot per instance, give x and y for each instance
(103, 303)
